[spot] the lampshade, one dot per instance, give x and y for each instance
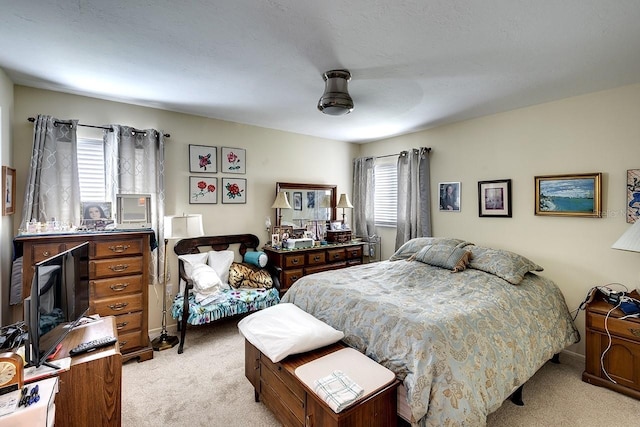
(344, 201)
(336, 100)
(183, 226)
(630, 239)
(281, 201)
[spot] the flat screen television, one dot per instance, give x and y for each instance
(59, 299)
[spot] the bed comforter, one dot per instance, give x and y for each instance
(461, 342)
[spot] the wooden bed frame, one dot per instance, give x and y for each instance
(214, 243)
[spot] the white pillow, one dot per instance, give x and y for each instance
(204, 278)
(221, 261)
(190, 260)
(285, 329)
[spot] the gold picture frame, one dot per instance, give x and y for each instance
(569, 195)
(8, 190)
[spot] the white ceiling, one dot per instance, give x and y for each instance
(415, 63)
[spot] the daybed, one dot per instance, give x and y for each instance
(462, 342)
(202, 254)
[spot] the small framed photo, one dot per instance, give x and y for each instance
(297, 200)
(494, 198)
(275, 240)
(335, 225)
(569, 195)
(8, 190)
(283, 232)
(203, 190)
(233, 160)
(311, 199)
(203, 158)
(633, 195)
(96, 210)
(449, 196)
(234, 190)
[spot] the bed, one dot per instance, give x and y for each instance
(461, 342)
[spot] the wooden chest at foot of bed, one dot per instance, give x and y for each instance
(294, 404)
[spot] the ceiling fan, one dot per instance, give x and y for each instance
(336, 100)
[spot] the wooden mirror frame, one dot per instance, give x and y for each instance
(286, 186)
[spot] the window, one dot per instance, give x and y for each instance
(91, 169)
(386, 194)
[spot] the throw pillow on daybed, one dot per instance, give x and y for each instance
(220, 261)
(249, 276)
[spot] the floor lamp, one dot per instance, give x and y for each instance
(175, 227)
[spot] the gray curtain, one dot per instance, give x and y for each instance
(364, 184)
(414, 196)
(53, 189)
(134, 164)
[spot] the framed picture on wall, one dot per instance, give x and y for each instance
(297, 200)
(234, 190)
(449, 196)
(203, 190)
(633, 195)
(569, 195)
(494, 198)
(233, 160)
(203, 158)
(8, 190)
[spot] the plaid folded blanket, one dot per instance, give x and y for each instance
(338, 390)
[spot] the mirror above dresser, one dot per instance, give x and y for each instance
(309, 202)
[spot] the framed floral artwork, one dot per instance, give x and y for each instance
(234, 190)
(633, 195)
(203, 190)
(203, 158)
(233, 160)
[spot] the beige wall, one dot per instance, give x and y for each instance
(272, 156)
(598, 132)
(6, 223)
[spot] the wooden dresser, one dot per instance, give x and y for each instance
(622, 360)
(295, 263)
(118, 279)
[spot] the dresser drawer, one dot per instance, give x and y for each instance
(129, 341)
(129, 322)
(124, 247)
(620, 328)
(290, 276)
(315, 258)
(354, 252)
(117, 305)
(107, 288)
(293, 260)
(115, 267)
(336, 255)
(45, 250)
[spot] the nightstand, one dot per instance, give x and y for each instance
(622, 360)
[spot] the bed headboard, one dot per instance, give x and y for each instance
(216, 243)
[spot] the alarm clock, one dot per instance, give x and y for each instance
(11, 372)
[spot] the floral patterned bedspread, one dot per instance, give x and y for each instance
(461, 342)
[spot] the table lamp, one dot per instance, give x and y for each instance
(630, 241)
(175, 227)
(344, 203)
(281, 202)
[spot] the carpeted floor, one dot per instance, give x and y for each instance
(206, 386)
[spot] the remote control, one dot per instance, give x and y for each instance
(92, 345)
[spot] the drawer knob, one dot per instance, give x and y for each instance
(118, 267)
(119, 248)
(119, 287)
(635, 332)
(46, 253)
(336, 256)
(121, 325)
(316, 258)
(119, 306)
(295, 261)
(122, 343)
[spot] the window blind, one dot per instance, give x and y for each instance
(386, 194)
(91, 169)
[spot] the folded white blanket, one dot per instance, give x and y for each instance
(338, 390)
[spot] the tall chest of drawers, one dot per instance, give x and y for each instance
(118, 279)
(295, 263)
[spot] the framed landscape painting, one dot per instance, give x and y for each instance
(569, 195)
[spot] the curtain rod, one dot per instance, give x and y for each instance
(397, 154)
(32, 120)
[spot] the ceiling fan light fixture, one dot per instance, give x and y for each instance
(336, 100)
